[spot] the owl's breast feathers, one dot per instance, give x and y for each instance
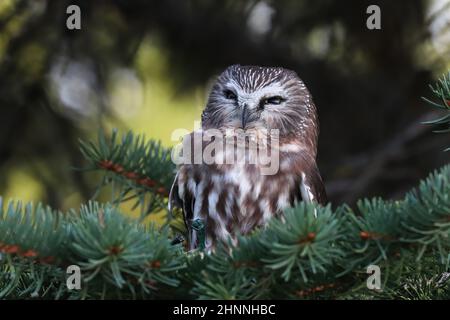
(236, 198)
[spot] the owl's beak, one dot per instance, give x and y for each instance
(244, 116)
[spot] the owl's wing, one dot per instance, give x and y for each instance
(186, 203)
(311, 185)
(174, 198)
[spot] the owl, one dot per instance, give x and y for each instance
(250, 111)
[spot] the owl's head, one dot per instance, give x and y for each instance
(252, 97)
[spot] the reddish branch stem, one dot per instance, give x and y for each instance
(134, 176)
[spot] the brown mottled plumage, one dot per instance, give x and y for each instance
(237, 197)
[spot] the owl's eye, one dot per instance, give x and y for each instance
(230, 95)
(274, 100)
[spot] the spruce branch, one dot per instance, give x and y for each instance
(294, 257)
(113, 252)
(302, 243)
(441, 101)
(327, 257)
(134, 168)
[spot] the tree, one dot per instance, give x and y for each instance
(365, 78)
(299, 257)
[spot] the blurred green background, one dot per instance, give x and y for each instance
(148, 65)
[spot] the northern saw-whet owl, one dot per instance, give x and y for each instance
(274, 109)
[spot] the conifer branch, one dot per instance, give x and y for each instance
(300, 256)
(134, 168)
(441, 101)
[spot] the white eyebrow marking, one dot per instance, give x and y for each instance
(253, 98)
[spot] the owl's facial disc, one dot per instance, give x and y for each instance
(261, 98)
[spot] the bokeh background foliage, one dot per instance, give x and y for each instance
(147, 66)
